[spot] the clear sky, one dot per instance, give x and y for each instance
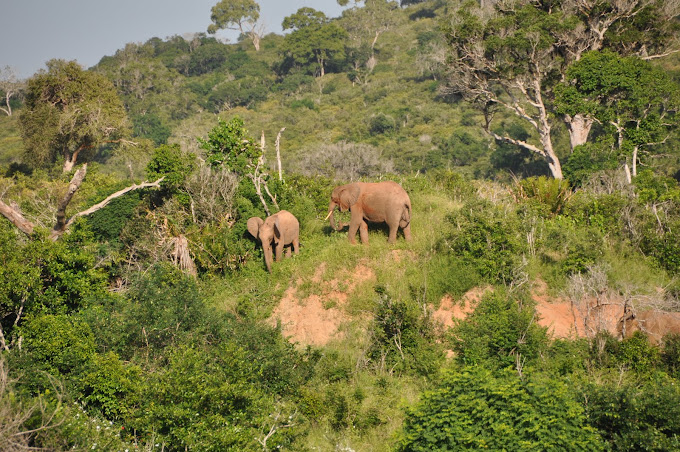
(35, 31)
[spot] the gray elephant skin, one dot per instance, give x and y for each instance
(279, 230)
(376, 202)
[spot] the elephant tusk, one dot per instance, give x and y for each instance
(328, 216)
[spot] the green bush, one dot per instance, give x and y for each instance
(548, 194)
(108, 386)
(603, 212)
(662, 244)
(106, 224)
(403, 338)
(302, 103)
(41, 277)
(636, 417)
(201, 401)
(638, 354)
(568, 249)
(589, 159)
(652, 188)
(57, 344)
(476, 409)
(500, 332)
(486, 237)
(382, 124)
(163, 307)
(171, 163)
(670, 354)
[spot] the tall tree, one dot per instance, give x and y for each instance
(509, 55)
(632, 99)
(10, 85)
(314, 39)
(70, 113)
(365, 25)
(241, 15)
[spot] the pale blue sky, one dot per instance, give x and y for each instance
(35, 31)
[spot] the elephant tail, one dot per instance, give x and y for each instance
(405, 216)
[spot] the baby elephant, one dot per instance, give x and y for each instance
(282, 229)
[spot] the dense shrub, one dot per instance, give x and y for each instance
(663, 244)
(58, 344)
(173, 164)
(500, 332)
(568, 249)
(587, 160)
(402, 337)
(636, 417)
(106, 224)
(486, 237)
(549, 196)
(382, 124)
(40, 276)
(474, 409)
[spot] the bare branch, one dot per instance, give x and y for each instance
(16, 218)
(56, 233)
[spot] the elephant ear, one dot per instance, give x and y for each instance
(277, 228)
(349, 196)
(253, 225)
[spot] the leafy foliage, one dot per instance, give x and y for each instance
(71, 111)
(474, 409)
(402, 337)
(486, 237)
(228, 145)
(500, 332)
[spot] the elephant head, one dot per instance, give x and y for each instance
(266, 232)
(343, 197)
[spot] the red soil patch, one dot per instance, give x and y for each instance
(450, 310)
(316, 319)
(557, 314)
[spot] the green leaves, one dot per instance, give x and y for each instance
(71, 112)
(229, 146)
(314, 40)
(171, 163)
(232, 13)
(475, 409)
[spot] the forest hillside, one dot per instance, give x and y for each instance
(536, 305)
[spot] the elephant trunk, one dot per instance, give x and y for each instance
(268, 257)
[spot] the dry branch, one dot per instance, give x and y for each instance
(17, 219)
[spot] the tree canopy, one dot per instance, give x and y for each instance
(314, 39)
(509, 56)
(241, 15)
(70, 114)
(636, 101)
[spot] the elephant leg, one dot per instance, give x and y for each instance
(296, 246)
(353, 227)
(393, 233)
(279, 251)
(407, 232)
(363, 232)
(289, 251)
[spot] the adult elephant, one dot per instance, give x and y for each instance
(381, 202)
(281, 229)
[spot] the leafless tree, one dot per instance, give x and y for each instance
(344, 161)
(212, 194)
(14, 414)
(10, 85)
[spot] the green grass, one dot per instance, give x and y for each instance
(11, 145)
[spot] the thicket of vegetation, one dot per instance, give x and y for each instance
(138, 315)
